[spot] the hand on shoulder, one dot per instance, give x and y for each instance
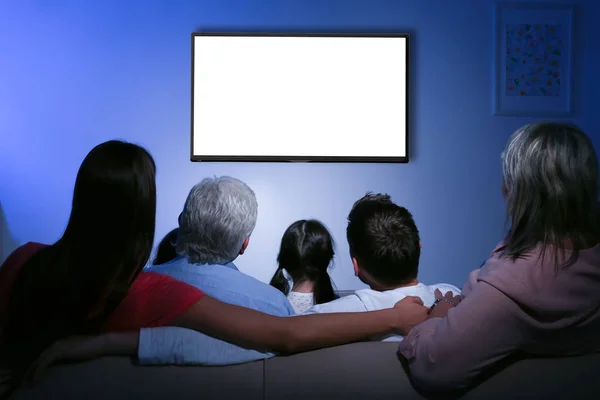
(410, 312)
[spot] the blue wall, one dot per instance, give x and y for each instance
(76, 73)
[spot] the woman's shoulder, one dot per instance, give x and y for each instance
(542, 260)
(503, 266)
(534, 281)
(11, 266)
(153, 300)
(20, 256)
(151, 283)
(26, 250)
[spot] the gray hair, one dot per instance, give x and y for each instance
(550, 178)
(219, 214)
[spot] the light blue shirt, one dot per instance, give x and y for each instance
(174, 345)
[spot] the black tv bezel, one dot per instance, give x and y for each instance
(319, 159)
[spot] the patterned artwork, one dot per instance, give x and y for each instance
(533, 60)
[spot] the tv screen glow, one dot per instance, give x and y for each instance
(328, 98)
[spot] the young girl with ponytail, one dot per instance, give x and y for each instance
(305, 254)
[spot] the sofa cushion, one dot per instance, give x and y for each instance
(112, 378)
(355, 371)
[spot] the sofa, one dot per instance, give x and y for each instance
(368, 370)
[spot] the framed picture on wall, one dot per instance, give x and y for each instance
(533, 57)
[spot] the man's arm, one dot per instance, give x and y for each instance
(173, 345)
(446, 354)
(253, 329)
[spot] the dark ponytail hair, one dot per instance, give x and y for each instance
(71, 287)
(306, 252)
(280, 282)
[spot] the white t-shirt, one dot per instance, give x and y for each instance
(371, 300)
(301, 301)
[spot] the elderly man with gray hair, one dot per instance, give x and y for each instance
(217, 220)
(214, 229)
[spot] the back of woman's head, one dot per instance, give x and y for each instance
(306, 252)
(550, 181)
(73, 285)
(167, 248)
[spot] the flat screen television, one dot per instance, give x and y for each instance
(299, 97)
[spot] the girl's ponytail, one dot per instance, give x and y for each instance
(323, 290)
(280, 282)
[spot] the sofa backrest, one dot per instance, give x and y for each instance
(355, 371)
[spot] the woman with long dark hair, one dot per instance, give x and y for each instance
(306, 252)
(91, 281)
(539, 292)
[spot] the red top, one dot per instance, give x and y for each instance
(153, 299)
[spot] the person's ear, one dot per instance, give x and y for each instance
(244, 245)
(420, 245)
(355, 265)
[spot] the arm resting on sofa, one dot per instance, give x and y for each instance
(173, 345)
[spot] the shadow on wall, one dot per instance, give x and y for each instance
(7, 243)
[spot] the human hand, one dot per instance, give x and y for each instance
(410, 312)
(444, 302)
(75, 348)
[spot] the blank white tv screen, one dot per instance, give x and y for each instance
(324, 98)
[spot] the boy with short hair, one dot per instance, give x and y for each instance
(385, 249)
